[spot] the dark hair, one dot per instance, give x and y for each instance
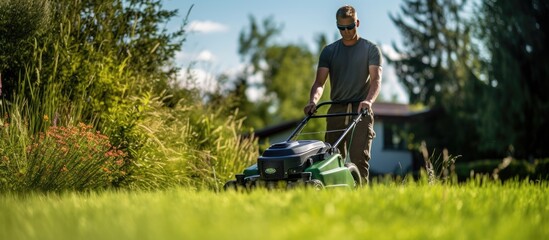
(346, 11)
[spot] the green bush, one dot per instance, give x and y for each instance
(108, 64)
(21, 21)
(505, 169)
(189, 145)
(541, 169)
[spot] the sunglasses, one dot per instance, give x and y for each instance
(348, 27)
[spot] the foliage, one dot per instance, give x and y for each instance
(254, 42)
(163, 147)
(439, 168)
(287, 70)
(485, 74)
(189, 145)
(288, 76)
(22, 120)
(507, 169)
(20, 22)
(108, 64)
(62, 158)
(74, 157)
(515, 105)
(96, 51)
(437, 58)
(476, 210)
(439, 67)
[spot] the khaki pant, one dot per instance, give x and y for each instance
(360, 139)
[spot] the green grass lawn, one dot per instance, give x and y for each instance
(410, 211)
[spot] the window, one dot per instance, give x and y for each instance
(393, 136)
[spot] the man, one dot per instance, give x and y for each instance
(354, 66)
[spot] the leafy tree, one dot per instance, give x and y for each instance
(287, 71)
(288, 76)
(90, 41)
(436, 50)
(515, 107)
(438, 68)
(20, 22)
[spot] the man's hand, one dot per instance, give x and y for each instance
(310, 108)
(364, 105)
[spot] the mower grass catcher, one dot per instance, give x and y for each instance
(308, 163)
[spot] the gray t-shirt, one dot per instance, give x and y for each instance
(349, 74)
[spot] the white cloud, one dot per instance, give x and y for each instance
(206, 27)
(206, 56)
(197, 78)
(183, 59)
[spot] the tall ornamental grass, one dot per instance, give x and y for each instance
(86, 110)
(190, 145)
(73, 157)
(149, 147)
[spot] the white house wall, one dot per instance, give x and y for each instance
(388, 160)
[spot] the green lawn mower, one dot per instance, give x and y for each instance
(309, 163)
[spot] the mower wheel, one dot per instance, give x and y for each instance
(314, 184)
(292, 185)
(355, 173)
(251, 185)
(231, 186)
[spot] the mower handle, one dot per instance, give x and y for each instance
(363, 113)
(301, 125)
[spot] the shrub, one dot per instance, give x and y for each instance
(508, 168)
(71, 158)
(21, 21)
(189, 145)
(542, 169)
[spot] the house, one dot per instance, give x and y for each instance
(390, 154)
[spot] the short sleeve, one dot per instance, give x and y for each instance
(375, 56)
(325, 58)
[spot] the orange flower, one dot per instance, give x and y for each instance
(119, 162)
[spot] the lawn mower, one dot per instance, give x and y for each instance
(310, 163)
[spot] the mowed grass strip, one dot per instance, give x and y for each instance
(411, 211)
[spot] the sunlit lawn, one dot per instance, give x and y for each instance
(394, 211)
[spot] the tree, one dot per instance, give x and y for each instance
(128, 33)
(20, 22)
(438, 68)
(436, 50)
(99, 53)
(515, 109)
(287, 71)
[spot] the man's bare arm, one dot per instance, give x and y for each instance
(317, 89)
(375, 87)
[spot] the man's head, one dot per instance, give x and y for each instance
(347, 22)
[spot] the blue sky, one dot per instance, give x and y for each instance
(216, 24)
